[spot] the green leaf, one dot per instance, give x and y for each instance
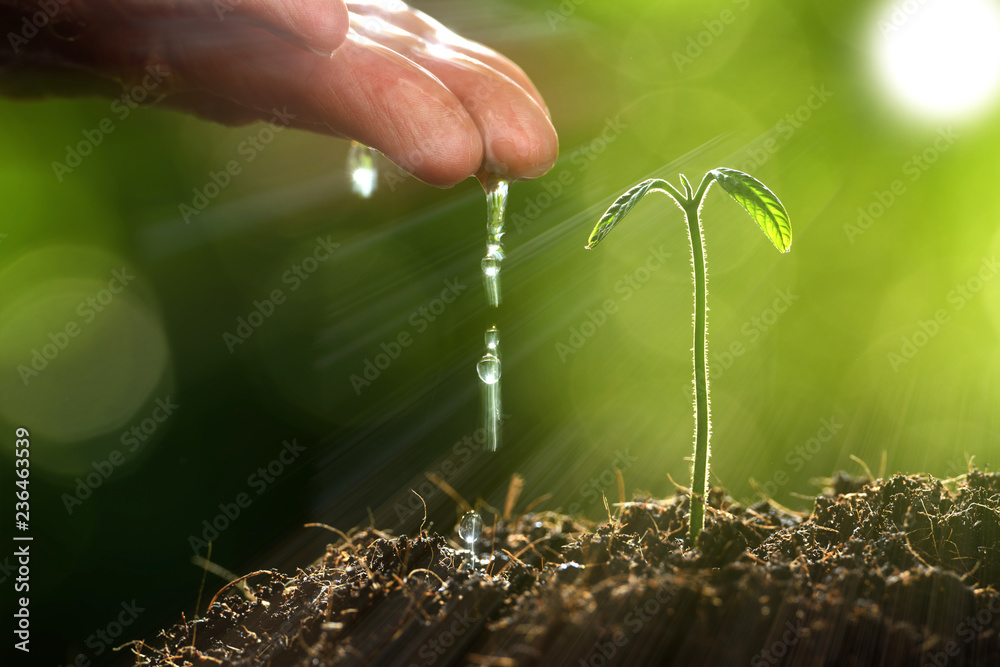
(762, 205)
(620, 209)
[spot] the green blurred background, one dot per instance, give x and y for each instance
(877, 335)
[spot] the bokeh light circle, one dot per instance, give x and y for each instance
(939, 58)
(81, 349)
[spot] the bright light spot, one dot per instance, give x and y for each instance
(940, 58)
(364, 171)
(363, 181)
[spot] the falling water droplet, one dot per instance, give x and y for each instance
(470, 528)
(489, 372)
(364, 173)
(493, 340)
(489, 369)
(491, 266)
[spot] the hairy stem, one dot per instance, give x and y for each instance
(702, 423)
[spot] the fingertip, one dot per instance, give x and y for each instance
(527, 149)
(546, 152)
(321, 27)
(390, 103)
(329, 31)
(448, 152)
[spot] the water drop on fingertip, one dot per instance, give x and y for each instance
(363, 170)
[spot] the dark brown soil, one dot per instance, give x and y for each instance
(897, 572)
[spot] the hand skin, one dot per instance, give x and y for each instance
(441, 107)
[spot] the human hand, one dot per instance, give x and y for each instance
(441, 107)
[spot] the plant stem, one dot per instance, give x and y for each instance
(702, 418)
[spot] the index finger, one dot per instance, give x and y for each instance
(414, 21)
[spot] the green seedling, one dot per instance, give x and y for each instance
(765, 208)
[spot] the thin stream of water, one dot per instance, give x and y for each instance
(361, 164)
(489, 366)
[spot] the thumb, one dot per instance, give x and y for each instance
(321, 25)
